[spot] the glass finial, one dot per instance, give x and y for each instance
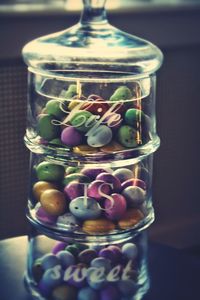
(94, 12)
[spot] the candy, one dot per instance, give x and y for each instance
(127, 287)
(130, 251)
(110, 293)
(58, 247)
(127, 136)
(53, 202)
(74, 190)
(134, 195)
(87, 255)
(43, 216)
(49, 261)
(98, 189)
(72, 91)
(83, 120)
(51, 278)
(37, 270)
(92, 273)
(98, 226)
(46, 128)
(112, 147)
(55, 108)
(134, 182)
(64, 292)
(101, 262)
(121, 93)
(100, 136)
(112, 180)
(49, 172)
(85, 208)
(78, 177)
(130, 218)
(98, 107)
(87, 293)
(66, 258)
(68, 221)
(41, 186)
(71, 136)
(92, 173)
(115, 209)
(123, 174)
(80, 274)
(84, 150)
(134, 117)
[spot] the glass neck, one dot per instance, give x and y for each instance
(94, 12)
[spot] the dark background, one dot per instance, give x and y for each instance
(176, 164)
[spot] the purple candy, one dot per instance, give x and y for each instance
(107, 253)
(109, 178)
(71, 137)
(115, 210)
(78, 279)
(74, 190)
(109, 293)
(117, 253)
(44, 217)
(87, 255)
(134, 182)
(97, 189)
(59, 246)
(92, 173)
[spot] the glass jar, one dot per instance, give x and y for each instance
(92, 86)
(67, 270)
(92, 199)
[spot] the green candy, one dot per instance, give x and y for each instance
(76, 177)
(127, 136)
(132, 116)
(121, 93)
(72, 91)
(71, 170)
(46, 129)
(79, 121)
(73, 249)
(54, 107)
(50, 172)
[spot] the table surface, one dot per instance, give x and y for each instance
(174, 275)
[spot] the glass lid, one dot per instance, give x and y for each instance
(92, 44)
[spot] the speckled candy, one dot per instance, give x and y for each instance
(121, 93)
(49, 261)
(44, 217)
(78, 177)
(134, 116)
(81, 122)
(47, 171)
(68, 221)
(87, 255)
(64, 292)
(46, 128)
(127, 136)
(87, 293)
(130, 251)
(123, 174)
(56, 107)
(96, 107)
(92, 173)
(134, 195)
(53, 202)
(74, 190)
(71, 137)
(100, 136)
(116, 209)
(109, 178)
(66, 258)
(134, 182)
(85, 209)
(98, 189)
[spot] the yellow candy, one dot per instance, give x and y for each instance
(112, 147)
(84, 149)
(98, 226)
(130, 218)
(53, 202)
(40, 187)
(73, 104)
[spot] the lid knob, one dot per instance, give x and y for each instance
(93, 12)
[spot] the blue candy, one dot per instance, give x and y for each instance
(66, 258)
(85, 209)
(127, 287)
(129, 250)
(51, 278)
(49, 261)
(100, 262)
(87, 294)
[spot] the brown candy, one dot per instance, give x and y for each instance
(98, 226)
(53, 202)
(130, 218)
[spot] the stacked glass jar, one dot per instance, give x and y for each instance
(92, 134)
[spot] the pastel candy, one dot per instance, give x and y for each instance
(110, 293)
(80, 273)
(127, 136)
(66, 258)
(97, 107)
(83, 120)
(130, 251)
(58, 247)
(74, 190)
(92, 173)
(112, 180)
(134, 182)
(43, 216)
(123, 174)
(68, 221)
(101, 262)
(127, 287)
(53, 202)
(91, 278)
(114, 210)
(71, 137)
(87, 293)
(134, 117)
(134, 195)
(121, 93)
(40, 186)
(64, 292)
(100, 136)
(52, 277)
(47, 171)
(85, 209)
(78, 177)
(131, 218)
(71, 91)
(98, 226)
(84, 150)
(56, 108)
(98, 189)
(46, 128)
(87, 255)
(49, 261)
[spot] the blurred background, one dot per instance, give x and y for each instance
(173, 25)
